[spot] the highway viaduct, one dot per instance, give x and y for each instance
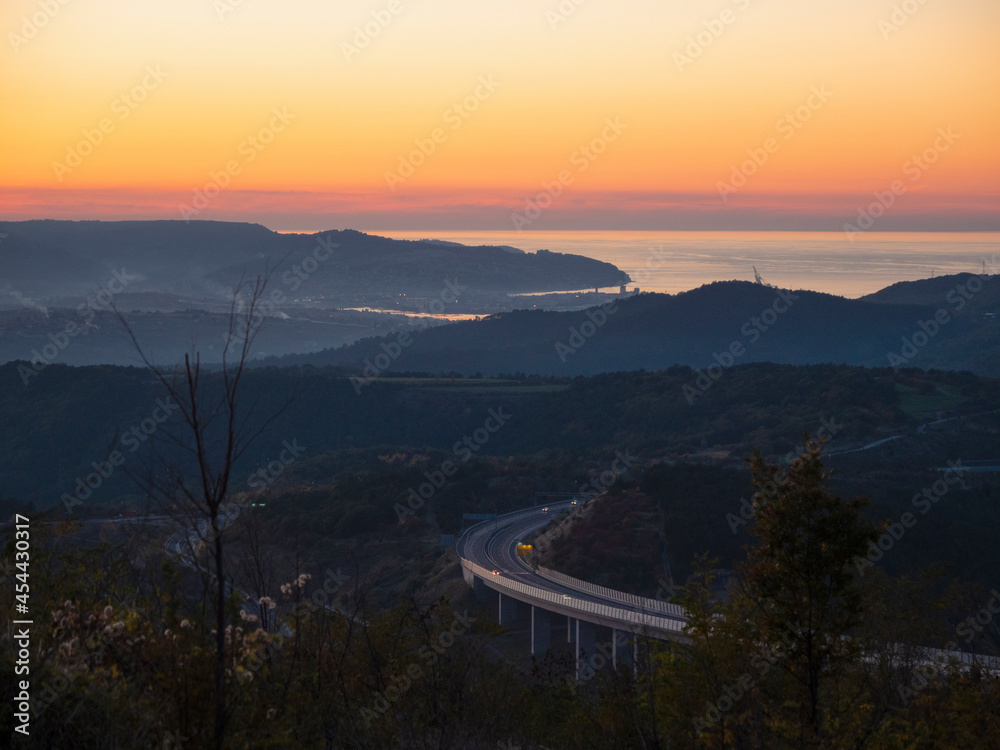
(488, 555)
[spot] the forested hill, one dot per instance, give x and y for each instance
(651, 331)
(67, 419)
(963, 293)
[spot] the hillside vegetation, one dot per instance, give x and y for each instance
(718, 325)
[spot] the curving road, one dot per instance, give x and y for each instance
(488, 551)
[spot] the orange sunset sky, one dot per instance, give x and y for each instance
(121, 109)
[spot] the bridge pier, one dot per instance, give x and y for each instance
(508, 609)
(475, 583)
(541, 630)
(586, 637)
(623, 648)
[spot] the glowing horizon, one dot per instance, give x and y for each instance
(722, 114)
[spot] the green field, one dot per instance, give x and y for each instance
(467, 385)
(917, 403)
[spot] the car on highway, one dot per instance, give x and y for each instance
(545, 509)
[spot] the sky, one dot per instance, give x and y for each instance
(521, 114)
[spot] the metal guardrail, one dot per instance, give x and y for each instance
(601, 610)
(647, 605)
(939, 656)
(967, 660)
(643, 617)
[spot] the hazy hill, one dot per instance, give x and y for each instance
(29, 268)
(206, 257)
(652, 331)
(167, 335)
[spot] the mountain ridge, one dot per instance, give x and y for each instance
(734, 320)
(207, 257)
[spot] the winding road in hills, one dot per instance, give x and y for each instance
(488, 552)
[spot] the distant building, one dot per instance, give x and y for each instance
(622, 289)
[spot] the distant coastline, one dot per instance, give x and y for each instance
(671, 262)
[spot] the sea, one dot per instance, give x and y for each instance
(828, 262)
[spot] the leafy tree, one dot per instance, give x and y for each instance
(805, 593)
